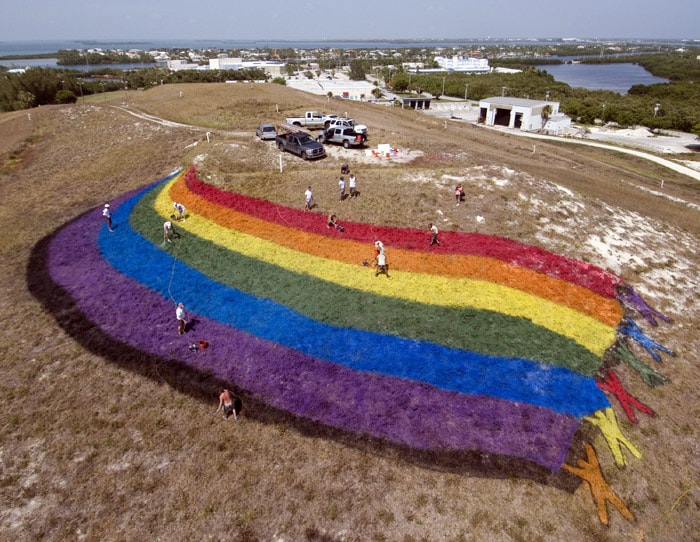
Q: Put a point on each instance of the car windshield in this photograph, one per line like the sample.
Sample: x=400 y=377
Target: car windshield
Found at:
x=305 y=139
x=268 y=128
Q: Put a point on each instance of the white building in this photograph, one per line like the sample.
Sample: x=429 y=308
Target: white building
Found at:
x=462 y=64
x=522 y=114
x=271 y=68
x=179 y=65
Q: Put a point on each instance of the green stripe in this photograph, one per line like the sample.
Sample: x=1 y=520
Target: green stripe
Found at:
x=486 y=332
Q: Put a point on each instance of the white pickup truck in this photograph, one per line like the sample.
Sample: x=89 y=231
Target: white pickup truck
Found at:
x=346 y=122
x=312 y=119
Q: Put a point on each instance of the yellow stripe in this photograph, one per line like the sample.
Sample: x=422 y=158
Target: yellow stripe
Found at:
x=421 y=288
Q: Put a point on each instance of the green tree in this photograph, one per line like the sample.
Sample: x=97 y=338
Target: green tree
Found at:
x=399 y=83
x=66 y=97
x=357 y=70
x=546 y=113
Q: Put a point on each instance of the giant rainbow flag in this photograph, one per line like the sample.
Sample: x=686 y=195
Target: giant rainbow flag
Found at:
x=479 y=344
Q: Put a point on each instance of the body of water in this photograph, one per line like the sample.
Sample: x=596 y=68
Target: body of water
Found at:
x=53 y=63
x=37 y=47
x=616 y=77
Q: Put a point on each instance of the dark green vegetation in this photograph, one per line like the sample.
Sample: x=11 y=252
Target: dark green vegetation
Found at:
x=670 y=106
x=74 y=57
x=45 y=86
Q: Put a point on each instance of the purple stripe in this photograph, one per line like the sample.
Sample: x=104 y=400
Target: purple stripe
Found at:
x=400 y=411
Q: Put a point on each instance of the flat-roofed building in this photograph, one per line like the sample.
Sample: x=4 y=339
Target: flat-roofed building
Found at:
x=522 y=114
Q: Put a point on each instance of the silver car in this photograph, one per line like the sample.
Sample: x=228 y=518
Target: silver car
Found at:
x=266 y=131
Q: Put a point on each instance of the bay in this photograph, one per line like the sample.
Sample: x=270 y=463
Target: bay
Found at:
x=615 y=77
x=53 y=63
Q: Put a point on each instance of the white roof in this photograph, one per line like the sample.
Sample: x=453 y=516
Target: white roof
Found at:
x=520 y=102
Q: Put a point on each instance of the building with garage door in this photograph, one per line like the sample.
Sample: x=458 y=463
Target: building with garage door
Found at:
x=522 y=114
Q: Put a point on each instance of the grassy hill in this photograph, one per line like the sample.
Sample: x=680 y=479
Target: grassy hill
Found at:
x=100 y=443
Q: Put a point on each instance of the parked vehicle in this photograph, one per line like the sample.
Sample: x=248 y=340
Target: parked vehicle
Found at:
x=266 y=131
x=343 y=135
x=299 y=141
x=311 y=119
x=348 y=123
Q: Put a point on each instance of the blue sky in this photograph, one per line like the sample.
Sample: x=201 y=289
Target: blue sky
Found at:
x=354 y=19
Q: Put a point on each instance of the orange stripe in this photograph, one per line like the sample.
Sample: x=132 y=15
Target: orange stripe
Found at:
x=606 y=310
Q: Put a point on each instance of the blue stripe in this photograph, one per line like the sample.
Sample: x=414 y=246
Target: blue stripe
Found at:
x=514 y=379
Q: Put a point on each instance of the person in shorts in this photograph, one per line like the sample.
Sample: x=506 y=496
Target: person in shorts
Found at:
x=180 y=210
x=341 y=186
x=107 y=214
x=181 y=316
x=227 y=404
x=382 y=266
x=433 y=229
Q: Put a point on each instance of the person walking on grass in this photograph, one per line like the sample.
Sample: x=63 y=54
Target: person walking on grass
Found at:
x=434 y=235
x=181 y=316
x=107 y=214
x=341 y=185
x=227 y=404
x=353 y=185
x=382 y=266
x=309 y=199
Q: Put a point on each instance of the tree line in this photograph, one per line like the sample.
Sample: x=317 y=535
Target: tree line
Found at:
x=672 y=106
x=45 y=86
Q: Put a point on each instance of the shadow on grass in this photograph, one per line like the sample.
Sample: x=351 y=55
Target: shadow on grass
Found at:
x=203 y=386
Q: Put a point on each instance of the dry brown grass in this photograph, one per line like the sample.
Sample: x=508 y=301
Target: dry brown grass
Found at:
x=95 y=448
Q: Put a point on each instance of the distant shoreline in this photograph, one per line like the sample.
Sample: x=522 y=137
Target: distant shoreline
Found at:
x=11 y=50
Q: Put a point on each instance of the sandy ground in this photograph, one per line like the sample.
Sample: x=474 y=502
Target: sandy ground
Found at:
x=641 y=138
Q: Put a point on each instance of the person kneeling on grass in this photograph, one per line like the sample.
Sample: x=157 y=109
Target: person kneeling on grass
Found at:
x=180 y=210
x=333 y=222
x=169 y=232
x=227 y=404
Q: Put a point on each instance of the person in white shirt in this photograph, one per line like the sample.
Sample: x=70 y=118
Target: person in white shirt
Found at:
x=353 y=185
x=309 y=199
x=167 y=231
x=180 y=208
x=434 y=237
x=181 y=316
x=341 y=185
x=107 y=214
x=382 y=266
